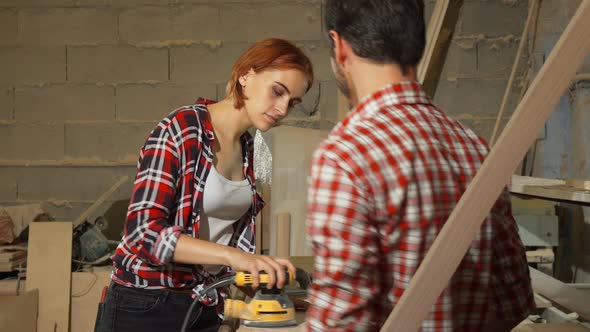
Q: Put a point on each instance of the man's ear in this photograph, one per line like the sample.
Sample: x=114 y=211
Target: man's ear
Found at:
x=341 y=48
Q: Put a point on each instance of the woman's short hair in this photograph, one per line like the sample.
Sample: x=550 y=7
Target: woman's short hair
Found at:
x=272 y=53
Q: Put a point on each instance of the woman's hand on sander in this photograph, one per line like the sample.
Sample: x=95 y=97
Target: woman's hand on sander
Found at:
x=273 y=266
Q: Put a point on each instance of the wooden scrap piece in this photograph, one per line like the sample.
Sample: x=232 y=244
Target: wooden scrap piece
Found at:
x=566 y=296
x=49 y=263
x=19 y=312
x=438 y=37
x=100 y=201
x=283 y=234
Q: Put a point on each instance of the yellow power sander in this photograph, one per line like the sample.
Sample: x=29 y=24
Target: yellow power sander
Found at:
x=270 y=307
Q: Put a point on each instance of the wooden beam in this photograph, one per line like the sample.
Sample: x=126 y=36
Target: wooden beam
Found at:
x=99 y=201
x=266 y=213
x=438 y=38
x=466 y=219
x=283 y=235
x=49 y=266
x=532 y=16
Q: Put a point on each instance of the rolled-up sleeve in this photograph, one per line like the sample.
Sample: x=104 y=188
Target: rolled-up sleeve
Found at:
x=149 y=232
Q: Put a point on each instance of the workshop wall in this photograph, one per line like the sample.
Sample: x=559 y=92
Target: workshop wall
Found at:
x=82 y=82
x=562 y=147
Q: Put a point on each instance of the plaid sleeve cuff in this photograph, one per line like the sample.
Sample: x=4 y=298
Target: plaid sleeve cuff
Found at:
x=166 y=245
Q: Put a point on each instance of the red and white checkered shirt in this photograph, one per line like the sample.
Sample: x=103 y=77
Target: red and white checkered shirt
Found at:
x=172 y=170
x=381 y=187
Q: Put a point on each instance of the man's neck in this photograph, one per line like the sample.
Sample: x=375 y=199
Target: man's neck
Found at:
x=369 y=77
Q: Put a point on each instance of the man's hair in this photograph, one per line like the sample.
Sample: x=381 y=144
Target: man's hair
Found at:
x=383 y=31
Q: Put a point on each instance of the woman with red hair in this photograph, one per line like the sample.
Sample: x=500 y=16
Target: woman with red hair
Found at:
x=191 y=216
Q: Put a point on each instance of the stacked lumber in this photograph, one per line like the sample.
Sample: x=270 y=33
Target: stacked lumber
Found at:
x=12 y=257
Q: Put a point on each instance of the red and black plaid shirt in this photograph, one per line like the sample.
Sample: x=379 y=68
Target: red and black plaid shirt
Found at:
x=172 y=169
x=381 y=187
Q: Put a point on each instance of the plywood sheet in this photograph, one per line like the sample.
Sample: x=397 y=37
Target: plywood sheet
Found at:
x=292 y=150
x=19 y=312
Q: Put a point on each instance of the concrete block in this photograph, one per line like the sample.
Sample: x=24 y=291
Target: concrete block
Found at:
x=111 y=141
x=155 y=101
x=483 y=127
x=9 y=188
x=493 y=18
x=202 y=63
x=32 y=64
x=496 y=57
x=585 y=67
x=319 y=54
x=329 y=101
x=69 y=102
x=169 y=25
x=243 y=22
x=67 y=26
x=6 y=103
x=64 y=209
x=32 y=141
x=57 y=185
x=120 y=63
x=8 y=27
x=461 y=59
x=36 y=3
x=474 y=98
x=312 y=2
x=221 y=87
x=310 y=104
x=123 y=4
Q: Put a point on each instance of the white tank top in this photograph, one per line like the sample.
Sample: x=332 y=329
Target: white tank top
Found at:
x=224 y=202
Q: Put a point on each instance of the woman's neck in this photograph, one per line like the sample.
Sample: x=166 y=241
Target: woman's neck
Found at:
x=229 y=123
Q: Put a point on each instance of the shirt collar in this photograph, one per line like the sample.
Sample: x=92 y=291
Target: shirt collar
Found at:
x=405 y=92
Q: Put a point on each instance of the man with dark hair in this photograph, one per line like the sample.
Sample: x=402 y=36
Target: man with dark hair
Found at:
x=385 y=181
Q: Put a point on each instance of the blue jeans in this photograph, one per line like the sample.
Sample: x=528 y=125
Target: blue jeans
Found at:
x=151 y=310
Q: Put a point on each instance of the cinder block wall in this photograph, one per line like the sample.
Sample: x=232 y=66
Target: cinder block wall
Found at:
x=82 y=82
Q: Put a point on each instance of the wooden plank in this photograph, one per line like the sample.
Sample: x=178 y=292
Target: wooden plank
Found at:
x=49 y=264
x=562 y=294
x=533 y=13
x=266 y=213
x=283 y=234
x=560 y=327
x=465 y=220
x=258 y=239
x=304 y=262
x=100 y=201
x=541 y=302
x=9 y=256
x=577 y=183
x=19 y=312
x=557 y=192
x=438 y=38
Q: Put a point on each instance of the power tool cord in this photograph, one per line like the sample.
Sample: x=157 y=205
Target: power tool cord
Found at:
x=200 y=294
